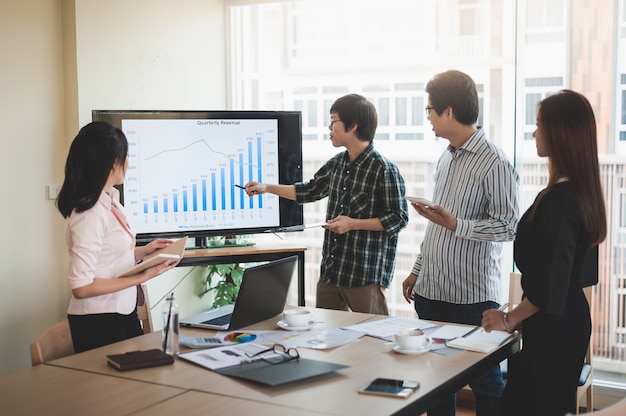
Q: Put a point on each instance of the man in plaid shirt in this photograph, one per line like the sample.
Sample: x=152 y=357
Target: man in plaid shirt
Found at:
x=366 y=211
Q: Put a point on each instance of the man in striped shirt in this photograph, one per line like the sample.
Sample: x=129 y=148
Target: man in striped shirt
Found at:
x=456 y=275
x=366 y=211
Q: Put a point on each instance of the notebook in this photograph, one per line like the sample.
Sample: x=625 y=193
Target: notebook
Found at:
x=262 y=295
x=479 y=340
x=174 y=251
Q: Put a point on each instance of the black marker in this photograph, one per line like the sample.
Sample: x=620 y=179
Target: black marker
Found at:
x=240 y=187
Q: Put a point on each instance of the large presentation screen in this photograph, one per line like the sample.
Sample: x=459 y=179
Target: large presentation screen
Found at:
x=186 y=169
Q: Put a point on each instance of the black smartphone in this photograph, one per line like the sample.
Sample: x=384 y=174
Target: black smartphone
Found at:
x=391 y=387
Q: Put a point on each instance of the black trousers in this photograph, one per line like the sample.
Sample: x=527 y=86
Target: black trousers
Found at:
x=96 y=330
x=543 y=376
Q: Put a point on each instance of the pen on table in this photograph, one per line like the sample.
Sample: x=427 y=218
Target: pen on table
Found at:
x=501 y=309
x=472 y=331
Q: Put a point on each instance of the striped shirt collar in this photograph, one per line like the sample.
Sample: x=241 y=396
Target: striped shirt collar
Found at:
x=471 y=144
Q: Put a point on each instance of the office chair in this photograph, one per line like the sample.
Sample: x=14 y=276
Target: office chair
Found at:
x=143 y=311
x=55 y=342
x=585 y=381
x=616 y=409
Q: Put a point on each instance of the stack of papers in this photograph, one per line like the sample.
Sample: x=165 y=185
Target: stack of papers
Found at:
x=385 y=328
x=234 y=354
x=316 y=338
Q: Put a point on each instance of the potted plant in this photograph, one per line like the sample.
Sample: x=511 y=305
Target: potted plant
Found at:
x=224 y=281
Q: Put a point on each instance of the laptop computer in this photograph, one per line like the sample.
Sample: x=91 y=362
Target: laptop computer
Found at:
x=262 y=295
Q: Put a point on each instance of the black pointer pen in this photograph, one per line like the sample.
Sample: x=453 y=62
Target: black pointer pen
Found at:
x=242 y=187
x=501 y=309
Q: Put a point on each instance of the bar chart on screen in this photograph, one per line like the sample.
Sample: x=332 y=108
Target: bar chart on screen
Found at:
x=190 y=172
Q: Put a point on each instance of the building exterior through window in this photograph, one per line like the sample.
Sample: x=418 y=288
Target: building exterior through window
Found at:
x=304 y=54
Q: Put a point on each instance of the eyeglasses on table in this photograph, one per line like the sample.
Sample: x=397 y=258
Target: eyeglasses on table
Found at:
x=284 y=354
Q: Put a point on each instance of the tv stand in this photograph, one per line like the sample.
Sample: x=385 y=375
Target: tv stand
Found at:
x=228 y=241
x=246 y=254
x=200 y=242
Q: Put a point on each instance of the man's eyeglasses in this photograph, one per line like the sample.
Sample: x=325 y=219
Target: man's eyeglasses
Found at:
x=333 y=122
x=428 y=110
x=284 y=354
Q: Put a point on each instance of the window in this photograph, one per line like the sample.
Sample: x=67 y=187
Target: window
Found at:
x=308 y=54
x=622 y=133
x=545 y=14
x=536 y=89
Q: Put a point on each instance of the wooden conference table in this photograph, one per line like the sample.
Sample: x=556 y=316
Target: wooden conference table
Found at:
x=170 y=389
x=50 y=390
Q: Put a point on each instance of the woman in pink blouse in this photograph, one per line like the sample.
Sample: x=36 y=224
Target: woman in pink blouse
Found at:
x=101 y=241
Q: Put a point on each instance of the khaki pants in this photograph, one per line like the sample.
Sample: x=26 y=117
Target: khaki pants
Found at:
x=366 y=299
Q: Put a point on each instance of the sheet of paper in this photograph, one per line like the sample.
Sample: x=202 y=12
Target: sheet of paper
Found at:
x=227 y=356
x=316 y=338
x=443 y=350
x=385 y=328
x=324 y=338
x=450 y=331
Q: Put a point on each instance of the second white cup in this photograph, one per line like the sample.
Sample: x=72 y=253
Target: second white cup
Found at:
x=410 y=339
x=297 y=317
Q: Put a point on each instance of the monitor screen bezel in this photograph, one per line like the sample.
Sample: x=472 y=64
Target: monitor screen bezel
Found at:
x=290 y=163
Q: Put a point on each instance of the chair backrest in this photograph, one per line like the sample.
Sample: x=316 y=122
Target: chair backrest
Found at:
x=55 y=342
x=143 y=312
x=585 y=383
x=515 y=297
x=616 y=409
x=515 y=290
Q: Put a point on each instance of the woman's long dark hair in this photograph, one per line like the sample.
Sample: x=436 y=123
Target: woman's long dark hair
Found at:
x=96 y=149
x=569 y=130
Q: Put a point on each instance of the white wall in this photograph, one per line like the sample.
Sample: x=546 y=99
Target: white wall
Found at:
x=33 y=290
x=59 y=59
x=150 y=54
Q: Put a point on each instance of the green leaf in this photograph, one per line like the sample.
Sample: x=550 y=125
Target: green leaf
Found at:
x=224 y=281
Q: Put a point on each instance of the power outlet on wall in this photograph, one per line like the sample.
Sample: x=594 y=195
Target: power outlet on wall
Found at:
x=53 y=191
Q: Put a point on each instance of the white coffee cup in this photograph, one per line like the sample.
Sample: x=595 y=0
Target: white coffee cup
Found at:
x=411 y=339
x=297 y=317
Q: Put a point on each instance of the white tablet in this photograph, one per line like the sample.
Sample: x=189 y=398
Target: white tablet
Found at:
x=423 y=201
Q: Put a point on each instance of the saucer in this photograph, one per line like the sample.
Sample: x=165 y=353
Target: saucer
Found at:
x=425 y=348
x=285 y=325
x=411 y=352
